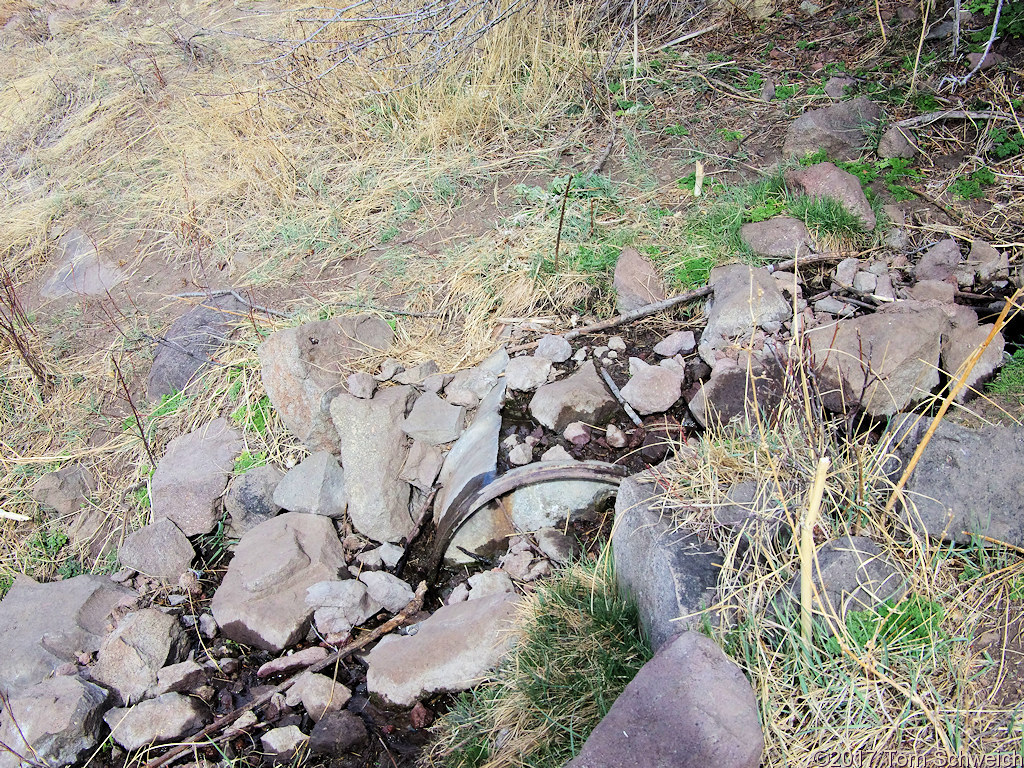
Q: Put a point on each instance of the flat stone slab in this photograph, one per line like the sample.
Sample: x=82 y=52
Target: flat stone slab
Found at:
x=636 y=281
x=159 y=550
x=433 y=421
x=579 y=397
x=166 y=718
x=81 y=271
x=779 y=238
x=316 y=486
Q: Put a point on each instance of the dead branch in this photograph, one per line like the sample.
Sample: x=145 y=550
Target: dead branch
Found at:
x=616 y=392
x=952 y=114
x=220 y=723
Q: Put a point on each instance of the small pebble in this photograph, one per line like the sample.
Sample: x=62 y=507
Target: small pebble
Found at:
x=614 y=436
x=617 y=344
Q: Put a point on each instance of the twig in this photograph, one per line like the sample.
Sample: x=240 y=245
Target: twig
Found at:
x=15 y=325
x=389 y=626
x=962 y=81
x=135 y=411
x=618 y=395
x=603 y=159
x=952 y=114
x=688 y=36
x=561 y=219
x=236 y=294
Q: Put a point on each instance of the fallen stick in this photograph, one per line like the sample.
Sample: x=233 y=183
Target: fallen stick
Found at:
x=389 y=626
x=952 y=114
x=616 y=392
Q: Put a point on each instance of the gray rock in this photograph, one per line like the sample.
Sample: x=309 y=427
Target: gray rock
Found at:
x=433 y=421
x=986 y=264
x=436 y=383
x=302 y=367
x=293 y=662
x=637 y=282
x=159 y=550
x=733 y=390
x=939 y=262
x=744 y=299
x=852 y=574
x=558 y=547
x=170 y=717
x=841 y=130
x=318 y=694
x=678 y=343
x=316 y=486
x=883 y=289
x=417 y=374
x=825 y=180
x=896 y=142
x=835 y=87
x=390 y=591
x=558 y=453
x=580 y=397
x=967 y=482
x=688 y=707
x=131 y=656
x=577 y=433
x=932 y=291
x=525 y=374
x=846 y=271
x=753 y=510
x=981 y=62
x=45 y=625
x=960 y=344
x=487 y=583
x=667 y=571
x=81 y=271
x=388 y=370
x=614 y=436
x=899 y=348
x=652 y=389
x=779 y=238
x=188 y=347
x=341 y=605
x=450 y=651
x=468 y=387
x=422 y=465
x=337 y=733
x=55 y=722
x=361 y=385
x=192 y=475
x=180 y=678
x=865 y=282
x=520 y=454
x=553 y=348
x=374 y=450
x=545 y=505
x=281 y=744
x=261 y=600
x=250 y=498
x=64 y=490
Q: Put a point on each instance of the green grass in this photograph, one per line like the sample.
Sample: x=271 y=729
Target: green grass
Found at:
x=909 y=627
x=828 y=218
x=1010 y=380
x=579 y=648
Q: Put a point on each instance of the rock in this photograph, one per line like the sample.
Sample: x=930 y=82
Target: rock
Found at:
x=192 y=475
x=525 y=374
x=545 y=505
x=846 y=271
x=293 y=662
x=318 y=694
x=303 y=366
x=341 y=605
x=900 y=349
x=44 y=625
x=865 y=282
x=744 y=299
x=487 y=583
x=55 y=722
x=614 y=436
x=281 y=744
x=361 y=385
x=558 y=547
x=374 y=450
x=960 y=344
x=81 y=271
x=835 y=87
x=159 y=550
x=520 y=454
x=261 y=600
x=779 y=238
x=983 y=266
x=688 y=707
x=617 y=344
x=417 y=374
x=180 y=678
x=636 y=282
x=433 y=421
x=468 y=387
x=337 y=733
x=388 y=370
x=883 y=289
x=678 y=343
x=852 y=574
x=967 y=481
x=190 y=344
x=666 y=570
x=932 y=291
x=422 y=465
x=826 y=180
x=450 y=651
x=553 y=348
x=841 y=130
x=579 y=397
x=130 y=656
x=250 y=498
x=64 y=490
x=577 y=433
x=208 y=626
x=652 y=389
x=523 y=566
x=976 y=61
x=733 y=390
x=390 y=591
x=556 y=453
x=170 y=717
x=939 y=262
x=316 y=486
x=896 y=142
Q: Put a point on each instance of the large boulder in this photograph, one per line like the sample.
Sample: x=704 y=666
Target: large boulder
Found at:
x=744 y=299
x=450 y=651
x=45 y=625
x=667 y=571
x=192 y=475
x=579 y=397
x=55 y=722
x=131 y=656
x=189 y=345
x=841 y=130
x=302 y=367
x=261 y=600
x=689 y=706
x=374 y=449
